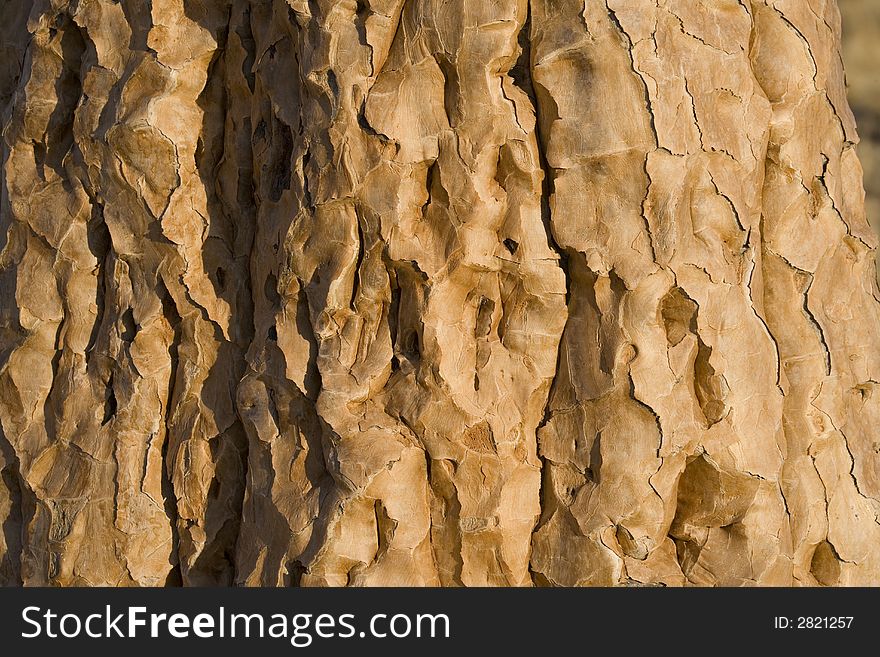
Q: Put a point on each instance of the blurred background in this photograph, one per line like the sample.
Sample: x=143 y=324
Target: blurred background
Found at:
x=861 y=59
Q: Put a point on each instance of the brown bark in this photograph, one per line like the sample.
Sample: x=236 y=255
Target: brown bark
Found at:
x=417 y=292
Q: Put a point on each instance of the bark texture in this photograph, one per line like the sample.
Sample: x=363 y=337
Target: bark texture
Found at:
x=860 y=22
x=434 y=292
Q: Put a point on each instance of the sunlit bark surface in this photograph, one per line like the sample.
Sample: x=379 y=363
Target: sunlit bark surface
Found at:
x=434 y=292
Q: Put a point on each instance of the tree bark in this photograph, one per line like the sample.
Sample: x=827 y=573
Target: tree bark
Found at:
x=427 y=292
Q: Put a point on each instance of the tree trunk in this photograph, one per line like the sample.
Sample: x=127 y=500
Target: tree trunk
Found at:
x=428 y=292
